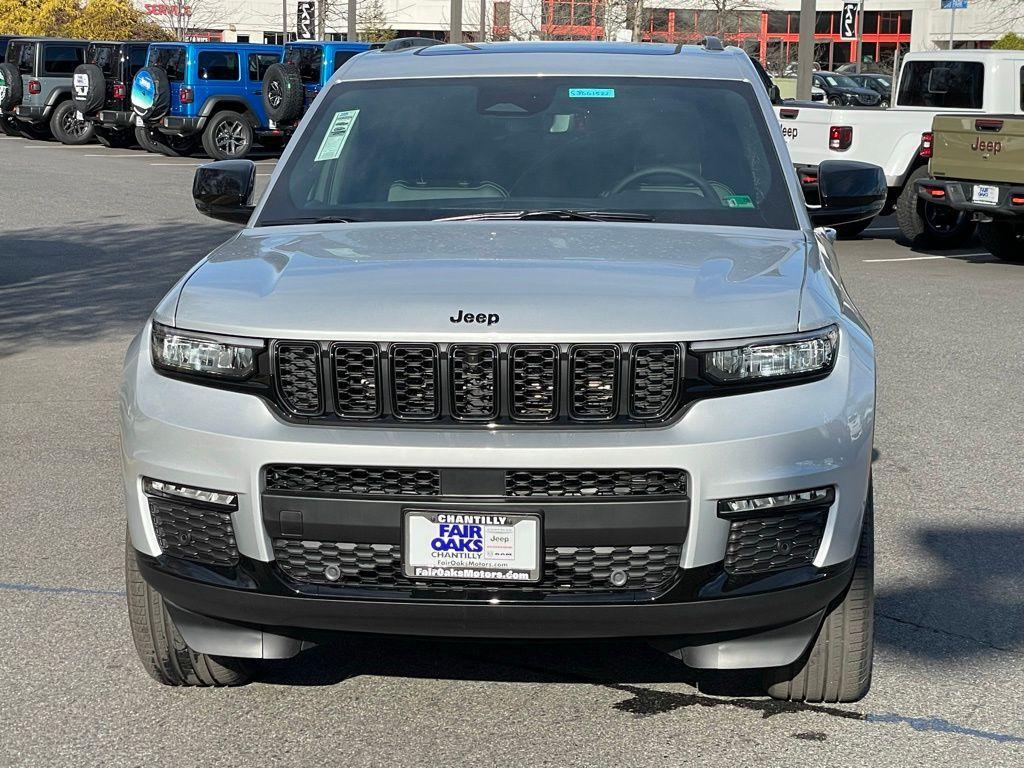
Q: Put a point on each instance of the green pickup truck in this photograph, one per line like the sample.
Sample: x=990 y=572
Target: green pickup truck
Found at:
x=977 y=165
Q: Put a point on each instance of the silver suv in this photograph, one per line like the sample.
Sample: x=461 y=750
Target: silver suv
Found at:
x=522 y=341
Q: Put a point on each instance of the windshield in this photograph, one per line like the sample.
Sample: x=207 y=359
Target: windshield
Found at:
x=840 y=81
x=674 y=150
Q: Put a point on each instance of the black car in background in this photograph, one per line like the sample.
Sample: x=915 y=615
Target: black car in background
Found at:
x=880 y=84
x=843 y=91
x=7 y=125
x=103 y=87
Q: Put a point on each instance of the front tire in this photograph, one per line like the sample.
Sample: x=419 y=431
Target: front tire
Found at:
x=67 y=128
x=1003 y=239
x=160 y=647
x=228 y=136
x=838 y=665
x=924 y=224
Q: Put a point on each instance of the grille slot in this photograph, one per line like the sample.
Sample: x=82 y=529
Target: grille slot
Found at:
x=321 y=480
x=297 y=366
x=592 y=373
x=534 y=382
x=596 y=482
x=764 y=544
x=655 y=378
x=414 y=381
x=474 y=373
x=566 y=569
x=356 y=372
x=193 y=533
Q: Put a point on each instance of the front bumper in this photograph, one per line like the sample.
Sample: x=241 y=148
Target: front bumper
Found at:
x=816 y=434
x=959 y=196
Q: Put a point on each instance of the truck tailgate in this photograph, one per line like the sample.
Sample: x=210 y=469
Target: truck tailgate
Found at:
x=989 y=148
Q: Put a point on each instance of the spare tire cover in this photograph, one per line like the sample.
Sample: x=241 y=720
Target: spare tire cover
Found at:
x=10 y=87
x=89 y=88
x=151 y=93
x=283 y=94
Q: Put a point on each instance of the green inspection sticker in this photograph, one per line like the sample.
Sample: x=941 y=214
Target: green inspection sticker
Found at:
x=591 y=93
x=739 y=201
x=337 y=134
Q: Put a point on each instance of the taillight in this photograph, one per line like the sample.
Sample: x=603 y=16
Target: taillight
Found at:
x=927 y=145
x=840 y=137
x=1017 y=199
x=992 y=126
x=185 y=95
x=34 y=86
x=936 y=192
x=119 y=91
x=807 y=178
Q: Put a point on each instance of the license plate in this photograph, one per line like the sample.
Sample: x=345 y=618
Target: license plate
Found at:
x=472 y=546
x=985 y=194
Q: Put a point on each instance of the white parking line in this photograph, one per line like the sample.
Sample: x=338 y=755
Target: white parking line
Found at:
x=142 y=155
x=906 y=258
x=178 y=165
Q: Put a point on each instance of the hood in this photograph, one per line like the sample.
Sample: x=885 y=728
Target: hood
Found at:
x=569 y=281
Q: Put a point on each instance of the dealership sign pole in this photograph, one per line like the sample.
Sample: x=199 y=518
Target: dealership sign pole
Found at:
x=805 y=50
x=849 y=28
x=953 y=6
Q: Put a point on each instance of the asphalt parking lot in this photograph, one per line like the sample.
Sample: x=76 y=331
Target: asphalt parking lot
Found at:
x=91 y=238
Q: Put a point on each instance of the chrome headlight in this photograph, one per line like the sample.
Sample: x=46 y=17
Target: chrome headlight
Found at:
x=221 y=357
x=755 y=360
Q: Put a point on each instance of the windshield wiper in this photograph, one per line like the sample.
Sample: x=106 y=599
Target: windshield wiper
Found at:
x=554 y=214
x=308 y=220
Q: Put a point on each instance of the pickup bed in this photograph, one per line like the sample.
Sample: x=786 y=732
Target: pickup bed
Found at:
x=898 y=140
x=977 y=168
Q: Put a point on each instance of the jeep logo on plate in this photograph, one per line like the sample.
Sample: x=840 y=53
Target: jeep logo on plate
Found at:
x=465 y=316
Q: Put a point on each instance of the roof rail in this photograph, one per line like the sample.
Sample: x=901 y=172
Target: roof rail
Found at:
x=401 y=43
x=712 y=43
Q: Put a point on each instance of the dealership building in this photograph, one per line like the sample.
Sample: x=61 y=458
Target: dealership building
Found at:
x=768 y=31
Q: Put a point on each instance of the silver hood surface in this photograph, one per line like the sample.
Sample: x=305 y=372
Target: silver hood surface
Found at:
x=567 y=281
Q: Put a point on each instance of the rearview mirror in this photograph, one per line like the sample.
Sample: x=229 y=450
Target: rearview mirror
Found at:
x=849 y=191
x=223 y=190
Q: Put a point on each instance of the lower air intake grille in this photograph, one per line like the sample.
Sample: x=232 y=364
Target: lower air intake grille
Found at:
x=764 y=544
x=194 y=533
x=566 y=569
x=314 y=479
x=595 y=482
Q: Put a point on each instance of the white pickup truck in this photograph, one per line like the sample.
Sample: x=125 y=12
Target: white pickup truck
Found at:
x=899 y=139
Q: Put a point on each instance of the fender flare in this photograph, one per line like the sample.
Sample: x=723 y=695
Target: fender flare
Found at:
x=237 y=103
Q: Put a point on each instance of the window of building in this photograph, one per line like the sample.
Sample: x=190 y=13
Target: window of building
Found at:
x=62 y=59
x=242 y=39
x=218 y=65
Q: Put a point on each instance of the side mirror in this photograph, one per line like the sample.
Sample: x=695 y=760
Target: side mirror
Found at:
x=223 y=190
x=849 y=191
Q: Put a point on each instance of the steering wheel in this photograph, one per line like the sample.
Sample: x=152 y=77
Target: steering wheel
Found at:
x=706 y=189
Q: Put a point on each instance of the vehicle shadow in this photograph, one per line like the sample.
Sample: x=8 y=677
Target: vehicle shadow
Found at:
x=971 y=607
x=91 y=279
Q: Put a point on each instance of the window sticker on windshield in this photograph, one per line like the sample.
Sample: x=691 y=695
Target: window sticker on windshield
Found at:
x=336 y=136
x=739 y=201
x=591 y=93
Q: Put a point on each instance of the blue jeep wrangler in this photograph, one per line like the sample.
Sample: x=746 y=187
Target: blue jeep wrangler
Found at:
x=290 y=87
x=208 y=91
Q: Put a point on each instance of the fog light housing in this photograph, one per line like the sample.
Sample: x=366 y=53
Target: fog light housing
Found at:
x=776 y=503
x=167 y=490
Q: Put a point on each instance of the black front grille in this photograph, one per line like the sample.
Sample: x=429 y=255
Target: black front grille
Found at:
x=764 y=544
x=297 y=366
x=534 y=382
x=593 y=382
x=595 y=482
x=493 y=384
x=474 y=376
x=566 y=569
x=415 y=381
x=193 y=533
x=356 y=370
x=322 y=480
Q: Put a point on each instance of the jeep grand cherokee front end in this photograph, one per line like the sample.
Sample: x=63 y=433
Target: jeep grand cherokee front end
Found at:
x=501 y=355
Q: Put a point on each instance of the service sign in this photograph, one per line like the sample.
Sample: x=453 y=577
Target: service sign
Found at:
x=472 y=546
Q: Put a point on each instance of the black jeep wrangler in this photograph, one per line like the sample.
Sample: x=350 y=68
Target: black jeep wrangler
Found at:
x=7 y=124
x=35 y=88
x=102 y=89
